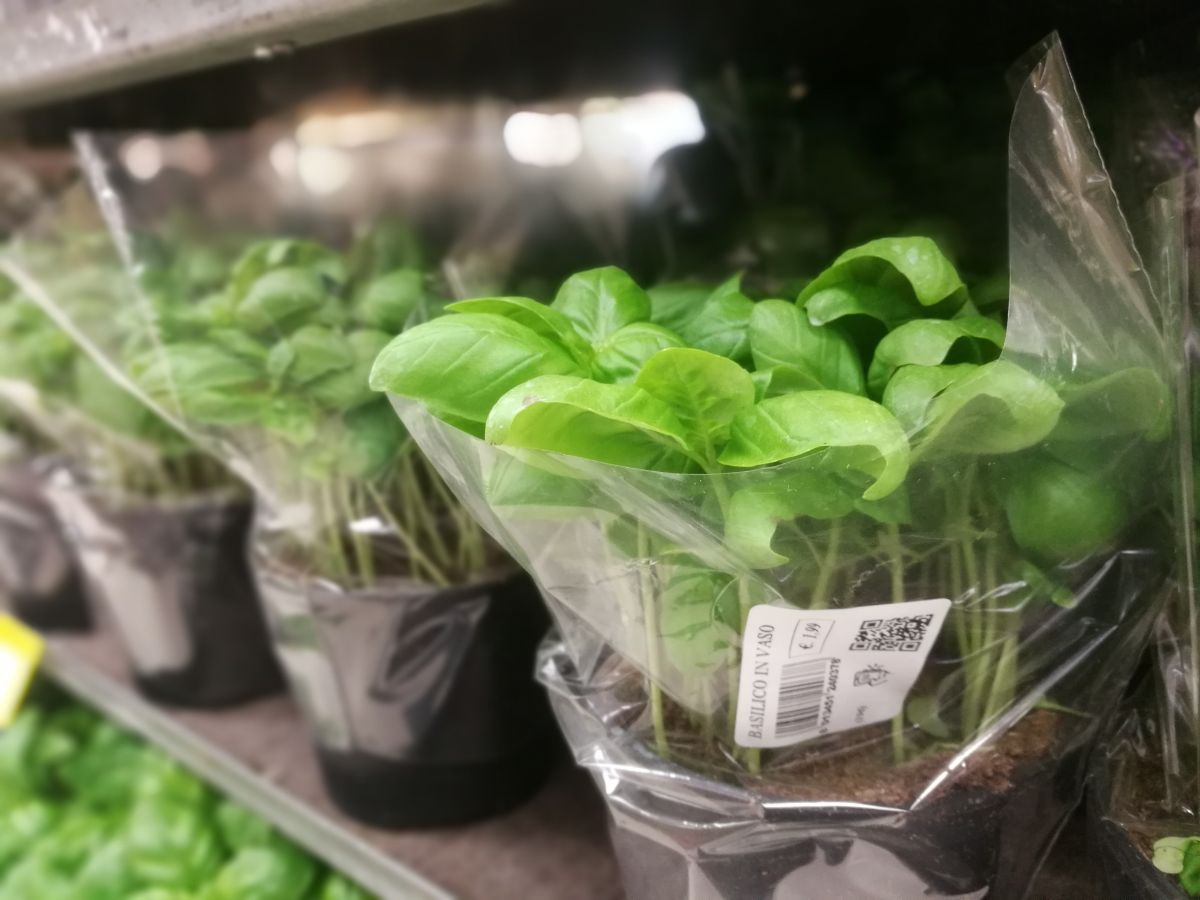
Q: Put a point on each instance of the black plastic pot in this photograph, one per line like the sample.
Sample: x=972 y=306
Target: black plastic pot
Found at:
x=37 y=573
x=679 y=834
x=422 y=702
x=174 y=580
x=1128 y=874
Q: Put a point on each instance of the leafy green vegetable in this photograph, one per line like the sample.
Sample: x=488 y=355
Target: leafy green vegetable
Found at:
x=600 y=302
x=860 y=434
x=755 y=468
x=1060 y=513
x=782 y=340
x=619 y=424
x=932 y=342
x=464 y=364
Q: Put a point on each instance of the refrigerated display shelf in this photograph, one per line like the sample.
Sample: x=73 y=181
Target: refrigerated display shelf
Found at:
x=55 y=49
x=554 y=847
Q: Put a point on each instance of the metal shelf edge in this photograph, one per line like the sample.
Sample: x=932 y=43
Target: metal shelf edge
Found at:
x=372 y=869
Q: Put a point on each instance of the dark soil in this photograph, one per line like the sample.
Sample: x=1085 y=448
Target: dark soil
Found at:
x=866 y=773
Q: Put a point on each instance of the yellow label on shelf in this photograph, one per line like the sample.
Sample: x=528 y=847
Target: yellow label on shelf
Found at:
x=21 y=651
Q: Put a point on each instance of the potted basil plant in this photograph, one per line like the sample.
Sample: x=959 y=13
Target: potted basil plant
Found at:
x=845 y=580
x=157 y=528
x=38 y=578
x=407 y=636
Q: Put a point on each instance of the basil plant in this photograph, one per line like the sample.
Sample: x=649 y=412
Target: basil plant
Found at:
x=60 y=401
x=663 y=461
x=268 y=368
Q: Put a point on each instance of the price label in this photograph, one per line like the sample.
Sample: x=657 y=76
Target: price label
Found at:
x=21 y=652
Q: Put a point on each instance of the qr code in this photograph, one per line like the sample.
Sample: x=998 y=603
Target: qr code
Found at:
x=903 y=633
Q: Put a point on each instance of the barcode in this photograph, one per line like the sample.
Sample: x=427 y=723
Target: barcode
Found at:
x=801 y=688
x=903 y=633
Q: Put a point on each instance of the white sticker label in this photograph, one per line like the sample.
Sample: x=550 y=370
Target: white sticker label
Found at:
x=808 y=673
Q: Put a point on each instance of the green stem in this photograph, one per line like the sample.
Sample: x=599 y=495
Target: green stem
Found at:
x=335 y=552
x=895 y=554
x=419 y=560
x=827 y=567
x=650 y=623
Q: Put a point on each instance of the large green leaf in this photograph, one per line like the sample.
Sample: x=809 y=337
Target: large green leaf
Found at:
x=612 y=423
x=621 y=356
x=705 y=391
x=600 y=301
x=548 y=322
x=309 y=353
x=178 y=369
x=269 y=255
x=782 y=336
x=890 y=279
x=910 y=391
x=389 y=302
x=755 y=513
x=721 y=325
x=1128 y=401
x=279 y=298
x=997 y=408
x=528 y=491
x=698 y=619
x=462 y=364
x=932 y=342
x=348 y=388
x=673 y=303
x=860 y=434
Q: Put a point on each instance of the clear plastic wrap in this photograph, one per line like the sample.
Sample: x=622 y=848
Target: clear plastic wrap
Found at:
x=653 y=578
x=406 y=636
x=1145 y=785
x=171 y=576
x=38 y=579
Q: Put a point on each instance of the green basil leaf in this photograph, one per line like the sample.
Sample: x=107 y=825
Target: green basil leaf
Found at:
x=673 y=304
x=890 y=279
x=698 y=619
x=861 y=435
x=349 y=388
x=266 y=256
x=782 y=336
x=910 y=391
x=721 y=325
x=755 y=513
x=279 y=298
x=705 y=391
x=239 y=343
x=997 y=408
x=370 y=441
x=1128 y=401
x=600 y=301
x=527 y=491
x=1059 y=513
x=538 y=317
x=178 y=369
x=621 y=356
x=779 y=380
x=619 y=424
x=462 y=364
x=932 y=342
x=389 y=301
x=309 y=353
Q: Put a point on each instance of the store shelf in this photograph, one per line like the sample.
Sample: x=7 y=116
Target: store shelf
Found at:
x=54 y=49
x=553 y=848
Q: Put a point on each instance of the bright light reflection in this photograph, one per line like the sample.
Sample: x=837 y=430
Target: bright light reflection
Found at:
x=324 y=170
x=543 y=139
x=353 y=129
x=143 y=157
